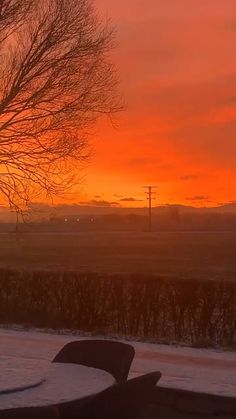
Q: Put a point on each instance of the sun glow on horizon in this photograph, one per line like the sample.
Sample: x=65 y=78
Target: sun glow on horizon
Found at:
x=177 y=72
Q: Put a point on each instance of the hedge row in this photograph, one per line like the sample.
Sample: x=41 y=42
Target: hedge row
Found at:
x=196 y=312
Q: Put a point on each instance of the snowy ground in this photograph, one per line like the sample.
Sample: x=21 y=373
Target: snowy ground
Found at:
x=202 y=370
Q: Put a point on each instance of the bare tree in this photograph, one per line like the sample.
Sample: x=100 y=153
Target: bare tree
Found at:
x=12 y=13
x=55 y=81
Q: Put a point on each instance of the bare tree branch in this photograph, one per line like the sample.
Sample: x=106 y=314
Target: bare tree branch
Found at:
x=55 y=82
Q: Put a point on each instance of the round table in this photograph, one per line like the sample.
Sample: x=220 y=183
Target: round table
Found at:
x=19 y=374
x=49 y=383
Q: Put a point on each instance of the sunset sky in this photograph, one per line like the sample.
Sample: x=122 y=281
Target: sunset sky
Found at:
x=176 y=61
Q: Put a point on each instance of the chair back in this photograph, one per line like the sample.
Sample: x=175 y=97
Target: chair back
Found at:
x=113 y=357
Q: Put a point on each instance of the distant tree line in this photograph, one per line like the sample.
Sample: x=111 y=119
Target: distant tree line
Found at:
x=195 y=312
x=164 y=221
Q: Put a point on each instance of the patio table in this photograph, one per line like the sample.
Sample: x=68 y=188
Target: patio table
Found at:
x=33 y=382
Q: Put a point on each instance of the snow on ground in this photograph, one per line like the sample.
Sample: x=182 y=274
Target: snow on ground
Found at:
x=201 y=370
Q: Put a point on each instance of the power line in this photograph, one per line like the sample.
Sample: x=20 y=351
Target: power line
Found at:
x=150 y=194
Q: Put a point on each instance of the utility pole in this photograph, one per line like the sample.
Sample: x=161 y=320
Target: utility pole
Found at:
x=150 y=193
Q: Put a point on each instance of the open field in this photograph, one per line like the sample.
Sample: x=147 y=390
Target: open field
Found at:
x=187 y=254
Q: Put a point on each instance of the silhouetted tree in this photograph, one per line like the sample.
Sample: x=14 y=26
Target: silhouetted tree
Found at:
x=55 y=81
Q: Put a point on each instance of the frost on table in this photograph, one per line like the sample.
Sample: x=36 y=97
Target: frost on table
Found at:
x=19 y=374
x=63 y=383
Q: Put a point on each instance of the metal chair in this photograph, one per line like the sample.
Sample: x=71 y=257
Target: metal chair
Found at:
x=126 y=400
x=110 y=356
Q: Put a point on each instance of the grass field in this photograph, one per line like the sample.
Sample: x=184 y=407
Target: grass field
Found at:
x=187 y=254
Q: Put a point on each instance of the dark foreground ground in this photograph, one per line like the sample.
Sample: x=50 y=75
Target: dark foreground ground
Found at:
x=187 y=254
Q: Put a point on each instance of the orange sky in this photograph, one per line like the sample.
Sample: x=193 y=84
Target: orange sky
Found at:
x=177 y=64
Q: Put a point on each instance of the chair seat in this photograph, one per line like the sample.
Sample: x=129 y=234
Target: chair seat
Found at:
x=30 y=413
x=122 y=401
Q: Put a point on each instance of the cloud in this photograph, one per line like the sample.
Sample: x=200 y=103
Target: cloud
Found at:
x=229 y=100
x=71 y=208
x=198 y=198
x=181 y=97
x=99 y=203
x=130 y=199
x=188 y=177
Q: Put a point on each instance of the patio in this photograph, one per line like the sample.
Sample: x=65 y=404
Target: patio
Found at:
x=194 y=381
